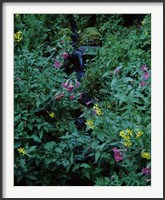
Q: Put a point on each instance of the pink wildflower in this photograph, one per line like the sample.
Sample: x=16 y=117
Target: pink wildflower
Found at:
x=65 y=85
x=146 y=75
x=57 y=64
x=117 y=154
x=77 y=83
x=143 y=83
x=146 y=170
x=70 y=88
x=80 y=96
x=115 y=149
x=71 y=97
x=144 y=68
x=59 y=97
x=65 y=55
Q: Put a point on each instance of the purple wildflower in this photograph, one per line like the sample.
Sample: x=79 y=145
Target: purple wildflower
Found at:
x=117 y=154
x=71 y=97
x=77 y=83
x=146 y=75
x=144 y=68
x=57 y=64
x=70 y=88
x=65 y=55
x=65 y=85
x=146 y=170
x=143 y=83
x=59 y=97
x=115 y=149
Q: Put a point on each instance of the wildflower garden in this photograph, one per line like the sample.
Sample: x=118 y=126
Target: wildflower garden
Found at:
x=82 y=100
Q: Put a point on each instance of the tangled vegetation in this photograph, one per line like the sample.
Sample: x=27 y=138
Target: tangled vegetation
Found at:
x=93 y=131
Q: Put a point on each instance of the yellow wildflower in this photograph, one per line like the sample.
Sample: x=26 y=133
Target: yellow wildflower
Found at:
x=127 y=143
x=126 y=137
x=139 y=134
x=21 y=151
x=52 y=115
x=90 y=123
x=122 y=133
x=129 y=132
x=146 y=155
x=97 y=109
x=18 y=36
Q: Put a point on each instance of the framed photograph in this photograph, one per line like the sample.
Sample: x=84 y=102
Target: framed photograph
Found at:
x=82 y=99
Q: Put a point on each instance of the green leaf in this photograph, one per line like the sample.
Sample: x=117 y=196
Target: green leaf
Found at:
x=84 y=165
x=30 y=149
x=58 y=150
x=71 y=157
x=106 y=74
x=23 y=164
x=97 y=155
x=35 y=138
x=41 y=134
x=38 y=103
x=87 y=175
x=30 y=126
x=49 y=145
x=76 y=166
x=17 y=144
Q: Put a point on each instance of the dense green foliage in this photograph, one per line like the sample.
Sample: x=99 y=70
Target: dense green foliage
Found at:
x=113 y=146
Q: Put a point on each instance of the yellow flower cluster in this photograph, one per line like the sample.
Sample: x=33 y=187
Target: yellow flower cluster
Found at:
x=139 y=134
x=146 y=155
x=90 y=123
x=21 y=151
x=126 y=135
x=52 y=115
x=18 y=36
x=97 y=109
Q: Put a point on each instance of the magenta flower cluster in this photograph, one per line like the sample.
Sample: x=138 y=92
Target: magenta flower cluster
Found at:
x=57 y=63
x=146 y=75
x=69 y=85
x=117 y=154
x=146 y=171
